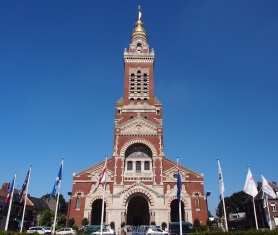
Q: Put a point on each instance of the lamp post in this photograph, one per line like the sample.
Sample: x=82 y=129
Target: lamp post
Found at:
x=69 y=204
x=207 y=195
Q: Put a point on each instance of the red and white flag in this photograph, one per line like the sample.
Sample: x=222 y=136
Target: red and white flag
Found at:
x=267 y=188
x=101 y=179
x=250 y=185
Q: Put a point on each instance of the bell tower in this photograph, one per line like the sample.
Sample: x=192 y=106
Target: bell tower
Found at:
x=138 y=115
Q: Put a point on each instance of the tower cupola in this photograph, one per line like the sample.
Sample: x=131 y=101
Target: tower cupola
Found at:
x=139 y=32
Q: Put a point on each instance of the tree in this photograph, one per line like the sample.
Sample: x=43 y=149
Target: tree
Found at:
x=112 y=225
x=71 y=222
x=63 y=205
x=122 y=224
x=62 y=210
x=46 y=218
x=233 y=204
x=85 y=222
x=163 y=225
x=196 y=223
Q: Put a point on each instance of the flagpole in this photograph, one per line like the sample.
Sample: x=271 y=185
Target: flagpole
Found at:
x=255 y=213
x=221 y=190
x=252 y=193
x=57 y=202
x=266 y=198
x=224 y=207
x=102 y=208
x=25 y=199
x=10 y=204
x=180 y=217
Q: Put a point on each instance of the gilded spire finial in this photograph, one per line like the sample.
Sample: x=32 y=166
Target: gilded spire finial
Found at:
x=139 y=29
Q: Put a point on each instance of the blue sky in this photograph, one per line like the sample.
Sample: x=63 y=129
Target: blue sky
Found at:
x=61 y=72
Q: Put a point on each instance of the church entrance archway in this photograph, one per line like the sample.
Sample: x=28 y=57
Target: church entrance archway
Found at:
x=138 y=211
x=96 y=212
x=175 y=211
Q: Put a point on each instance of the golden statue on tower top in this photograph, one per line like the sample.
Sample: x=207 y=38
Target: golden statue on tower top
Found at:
x=139 y=13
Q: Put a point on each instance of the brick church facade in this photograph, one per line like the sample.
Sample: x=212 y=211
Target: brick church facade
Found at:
x=141 y=183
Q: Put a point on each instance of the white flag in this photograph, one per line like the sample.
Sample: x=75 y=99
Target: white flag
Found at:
x=101 y=179
x=250 y=185
x=220 y=179
x=267 y=188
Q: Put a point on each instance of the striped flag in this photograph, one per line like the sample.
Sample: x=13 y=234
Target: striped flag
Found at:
x=24 y=186
x=9 y=195
x=101 y=178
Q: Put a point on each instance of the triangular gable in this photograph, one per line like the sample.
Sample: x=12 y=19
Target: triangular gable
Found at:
x=138 y=183
x=138 y=125
x=93 y=169
x=184 y=170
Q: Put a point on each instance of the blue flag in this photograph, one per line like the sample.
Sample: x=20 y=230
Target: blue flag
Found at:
x=179 y=184
x=57 y=181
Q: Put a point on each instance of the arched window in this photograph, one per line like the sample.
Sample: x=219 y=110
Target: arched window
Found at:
x=131 y=101
x=77 y=207
x=139 y=47
x=138 y=74
x=132 y=77
x=145 y=77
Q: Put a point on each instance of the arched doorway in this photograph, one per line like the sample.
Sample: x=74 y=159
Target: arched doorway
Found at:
x=175 y=211
x=138 y=211
x=96 y=212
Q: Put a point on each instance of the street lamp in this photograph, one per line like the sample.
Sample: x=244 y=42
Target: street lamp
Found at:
x=69 y=204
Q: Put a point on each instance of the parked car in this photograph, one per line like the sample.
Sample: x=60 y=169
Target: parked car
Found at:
x=142 y=230
x=89 y=229
x=47 y=230
x=37 y=229
x=105 y=231
x=174 y=228
x=156 y=231
x=63 y=231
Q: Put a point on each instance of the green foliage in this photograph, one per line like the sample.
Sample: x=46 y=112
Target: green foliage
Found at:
x=71 y=222
x=46 y=218
x=112 y=225
x=63 y=205
x=202 y=228
x=196 y=223
x=62 y=220
x=232 y=203
x=122 y=224
x=85 y=221
x=153 y=223
x=163 y=225
x=209 y=223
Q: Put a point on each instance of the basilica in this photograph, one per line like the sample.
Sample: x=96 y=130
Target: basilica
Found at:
x=141 y=182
